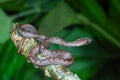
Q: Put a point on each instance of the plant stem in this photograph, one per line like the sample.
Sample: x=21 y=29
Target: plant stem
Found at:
x=100 y=30
x=22 y=14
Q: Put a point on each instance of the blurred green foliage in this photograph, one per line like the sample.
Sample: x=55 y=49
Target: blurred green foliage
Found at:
x=68 y=19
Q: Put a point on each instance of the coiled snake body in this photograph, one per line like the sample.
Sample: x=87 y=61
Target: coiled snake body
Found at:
x=49 y=57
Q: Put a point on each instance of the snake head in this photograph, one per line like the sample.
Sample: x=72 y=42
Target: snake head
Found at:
x=16 y=38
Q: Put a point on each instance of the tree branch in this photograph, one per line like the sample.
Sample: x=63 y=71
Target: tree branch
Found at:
x=56 y=72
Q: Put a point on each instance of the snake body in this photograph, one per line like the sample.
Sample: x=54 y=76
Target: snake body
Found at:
x=49 y=57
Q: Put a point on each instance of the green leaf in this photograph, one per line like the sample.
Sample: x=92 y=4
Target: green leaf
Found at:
x=60 y=17
x=114 y=13
x=86 y=68
x=98 y=15
x=10 y=69
x=13 y=5
x=93 y=8
x=116 y=4
x=5 y=24
x=2 y=1
x=10 y=61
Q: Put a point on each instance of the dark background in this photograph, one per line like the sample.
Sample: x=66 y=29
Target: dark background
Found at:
x=69 y=19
